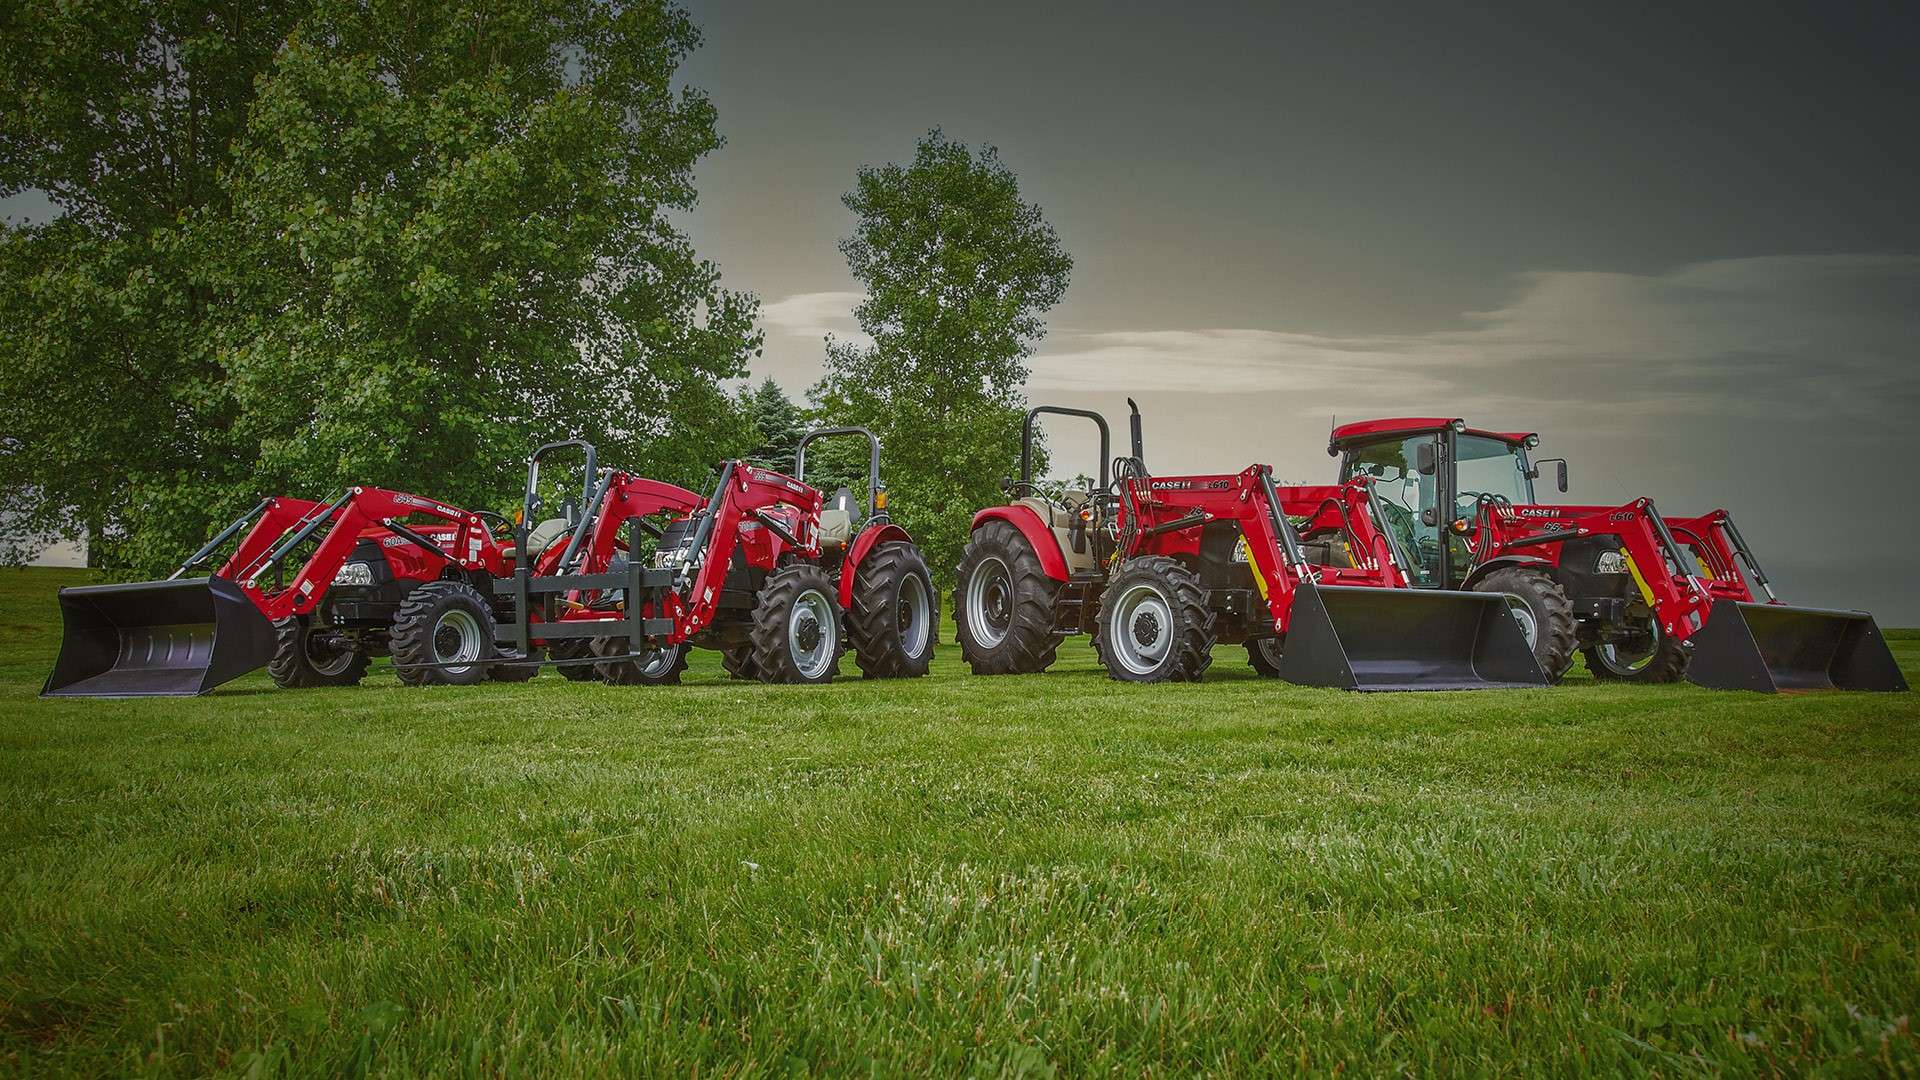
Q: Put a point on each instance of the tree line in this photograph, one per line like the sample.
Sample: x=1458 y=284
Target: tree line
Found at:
x=302 y=244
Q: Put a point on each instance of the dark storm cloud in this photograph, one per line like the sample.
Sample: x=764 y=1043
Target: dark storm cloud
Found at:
x=1680 y=242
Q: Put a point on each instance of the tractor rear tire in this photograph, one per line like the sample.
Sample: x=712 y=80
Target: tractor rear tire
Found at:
x=440 y=622
x=1264 y=655
x=894 y=613
x=662 y=668
x=1667 y=662
x=300 y=662
x=1544 y=612
x=738 y=661
x=1004 y=604
x=1154 y=623
x=797 y=632
x=573 y=649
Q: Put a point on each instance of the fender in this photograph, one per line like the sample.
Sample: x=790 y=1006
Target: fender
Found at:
x=1039 y=537
x=1488 y=567
x=870 y=537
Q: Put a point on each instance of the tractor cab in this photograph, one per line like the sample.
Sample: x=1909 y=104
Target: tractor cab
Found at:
x=1430 y=476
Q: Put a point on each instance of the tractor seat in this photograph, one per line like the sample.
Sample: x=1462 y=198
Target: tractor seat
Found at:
x=540 y=538
x=836 y=527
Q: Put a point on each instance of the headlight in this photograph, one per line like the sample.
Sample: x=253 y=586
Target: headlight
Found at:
x=354 y=573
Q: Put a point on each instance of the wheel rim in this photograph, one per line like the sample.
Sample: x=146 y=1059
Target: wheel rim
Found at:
x=324 y=658
x=1269 y=650
x=1142 y=629
x=990 y=602
x=813 y=638
x=1522 y=614
x=915 y=621
x=659 y=662
x=1630 y=661
x=456 y=640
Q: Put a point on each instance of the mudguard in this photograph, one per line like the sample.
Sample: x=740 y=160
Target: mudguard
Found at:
x=1040 y=538
x=870 y=537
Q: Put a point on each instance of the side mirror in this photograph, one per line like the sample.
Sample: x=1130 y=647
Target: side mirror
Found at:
x=1560 y=471
x=1006 y=485
x=1424 y=461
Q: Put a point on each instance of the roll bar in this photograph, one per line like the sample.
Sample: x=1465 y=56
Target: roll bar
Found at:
x=530 y=502
x=1026 y=440
x=873 y=460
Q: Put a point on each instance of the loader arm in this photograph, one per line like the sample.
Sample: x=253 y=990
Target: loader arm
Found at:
x=1666 y=571
x=745 y=497
x=339 y=525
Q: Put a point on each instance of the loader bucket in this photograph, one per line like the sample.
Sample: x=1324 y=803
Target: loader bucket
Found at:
x=1772 y=647
x=1360 y=638
x=157 y=639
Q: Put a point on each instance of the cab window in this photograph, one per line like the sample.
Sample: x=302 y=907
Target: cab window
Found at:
x=1406 y=495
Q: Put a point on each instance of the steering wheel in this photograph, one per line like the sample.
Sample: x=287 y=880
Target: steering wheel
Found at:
x=498 y=522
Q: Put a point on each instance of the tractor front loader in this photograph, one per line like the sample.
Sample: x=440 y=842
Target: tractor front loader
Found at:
x=1165 y=567
x=763 y=570
x=312 y=591
x=1644 y=597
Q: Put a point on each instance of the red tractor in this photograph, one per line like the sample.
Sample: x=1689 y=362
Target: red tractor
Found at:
x=1644 y=597
x=1158 y=569
x=765 y=570
x=315 y=590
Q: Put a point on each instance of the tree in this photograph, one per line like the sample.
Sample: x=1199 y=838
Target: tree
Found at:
x=958 y=271
x=777 y=425
x=424 y=238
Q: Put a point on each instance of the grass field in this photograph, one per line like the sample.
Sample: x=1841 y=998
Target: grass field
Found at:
x=954 y=875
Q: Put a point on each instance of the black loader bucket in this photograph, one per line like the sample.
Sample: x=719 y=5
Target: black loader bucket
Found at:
x=1359 y=638
x=157 y=639
x=1772 y=647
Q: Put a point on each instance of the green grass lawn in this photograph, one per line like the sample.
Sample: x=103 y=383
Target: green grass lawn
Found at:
x=956 y=874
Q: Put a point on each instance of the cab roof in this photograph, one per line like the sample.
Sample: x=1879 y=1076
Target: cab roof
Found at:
x=1366 y=430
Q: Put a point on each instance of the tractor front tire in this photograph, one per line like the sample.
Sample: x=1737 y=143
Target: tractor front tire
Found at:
x=443 y=622
x=797 y=636
x=573 y=649
x=662 y=667
x=894 y=613
x=738 y=661
x=516 y=672
x=1004 y=604
x=302 y=661
x=1154 y=623
x=1264 y=655
x=1544 y=612
x=1665 y=661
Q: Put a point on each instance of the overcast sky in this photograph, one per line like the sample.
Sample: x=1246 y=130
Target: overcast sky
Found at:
x=1681 y=245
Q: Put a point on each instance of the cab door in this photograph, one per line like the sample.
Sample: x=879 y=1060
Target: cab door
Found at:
x=1406 y=475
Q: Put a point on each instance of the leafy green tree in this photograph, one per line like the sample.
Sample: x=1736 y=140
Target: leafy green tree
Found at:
x=777 y=424
x=420 y=239
x=959 y=270
x=112 y=397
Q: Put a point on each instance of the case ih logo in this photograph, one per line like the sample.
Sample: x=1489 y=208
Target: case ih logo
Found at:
x=1539 y=512
x=1189 y=485
x=415 y=500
